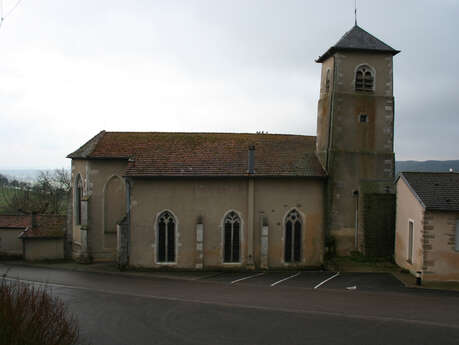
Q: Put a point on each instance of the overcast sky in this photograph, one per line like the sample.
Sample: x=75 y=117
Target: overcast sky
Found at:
x=69 y=69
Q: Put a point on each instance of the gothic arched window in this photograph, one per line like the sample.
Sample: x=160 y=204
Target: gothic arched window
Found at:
x=231 y=237
x=166 y=237
x=327 y=81
x=364 y=79
x=78 y=191
x=292 y=239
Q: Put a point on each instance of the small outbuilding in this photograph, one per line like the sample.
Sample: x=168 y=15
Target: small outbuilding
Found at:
x=11 y=226
x=427 y=224
x=44 y=238
x=32 y=236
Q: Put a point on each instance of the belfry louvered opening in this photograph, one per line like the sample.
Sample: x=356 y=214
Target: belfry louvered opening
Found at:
x=364 y=79
x=166 y=237
x=232 y=238
x=292 y=238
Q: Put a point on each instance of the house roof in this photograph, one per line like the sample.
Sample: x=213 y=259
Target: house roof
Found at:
x=205 y=154
x=435 y=191
x=46 y=226
x=14 y=222
x=357 y=39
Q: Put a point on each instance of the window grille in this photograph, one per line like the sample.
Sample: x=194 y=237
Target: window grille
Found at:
x=293 y=229
x=232 y=232
x=166 y=237
x=364 y=79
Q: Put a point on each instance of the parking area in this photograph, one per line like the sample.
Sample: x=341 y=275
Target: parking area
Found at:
x=319 y=280
x=310 y=280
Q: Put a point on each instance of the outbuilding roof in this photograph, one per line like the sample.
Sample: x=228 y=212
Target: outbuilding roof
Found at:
x=205 y=154
x=14 y=221
x=436 y=191
x=357 y=39
x=45 y=226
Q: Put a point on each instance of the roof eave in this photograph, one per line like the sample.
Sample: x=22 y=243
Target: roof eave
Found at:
x=330 y=52
x=230 y=176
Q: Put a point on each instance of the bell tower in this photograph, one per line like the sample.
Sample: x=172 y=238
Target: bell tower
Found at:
x=355 y=131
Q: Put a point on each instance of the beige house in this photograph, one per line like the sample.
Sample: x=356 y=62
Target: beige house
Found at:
x=33 y=237
x=237 y=200
x=427 y=230
x=43 y=239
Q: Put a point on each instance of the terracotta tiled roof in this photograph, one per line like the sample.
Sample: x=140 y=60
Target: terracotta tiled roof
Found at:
x=46 y=226
x=436 y=191
x=205 y=154
x=357 y=39
x=14 y=222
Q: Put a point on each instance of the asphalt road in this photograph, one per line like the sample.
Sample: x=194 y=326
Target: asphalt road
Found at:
x=223 y=309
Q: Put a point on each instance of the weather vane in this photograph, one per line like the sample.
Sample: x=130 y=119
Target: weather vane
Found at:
x=355 y=11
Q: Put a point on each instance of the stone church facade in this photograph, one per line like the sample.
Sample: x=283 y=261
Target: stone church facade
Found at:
x=227 y=200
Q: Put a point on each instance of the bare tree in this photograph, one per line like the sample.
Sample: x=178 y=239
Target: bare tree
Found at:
x=47 y=195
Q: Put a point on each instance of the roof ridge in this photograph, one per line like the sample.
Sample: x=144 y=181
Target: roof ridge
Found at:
x=194 y=133
x=430 y=172
x=366 y=32
x=358 y=39
x=86 y=149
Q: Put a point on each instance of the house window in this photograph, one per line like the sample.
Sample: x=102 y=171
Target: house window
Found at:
x=78 y=198
x=364 y=79
x=410 y=241
x=293 y=227
x=457 y=235
x=327 y=81
x=166 y=237
x=231 y=237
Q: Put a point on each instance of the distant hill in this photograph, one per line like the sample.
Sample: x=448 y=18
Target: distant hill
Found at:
x=430 y=166
x=24 y=175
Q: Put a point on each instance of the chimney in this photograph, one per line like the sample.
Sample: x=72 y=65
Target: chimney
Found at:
x=34 y=220
x=251 y=162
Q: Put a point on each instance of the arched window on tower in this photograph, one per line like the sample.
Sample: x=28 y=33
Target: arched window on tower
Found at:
x=78 y=190
x=231 y=237
x=292 y=239
x=327 y=81
x=166 y=237
x=364 y=79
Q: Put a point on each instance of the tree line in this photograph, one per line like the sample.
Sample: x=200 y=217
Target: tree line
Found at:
x=47 y=195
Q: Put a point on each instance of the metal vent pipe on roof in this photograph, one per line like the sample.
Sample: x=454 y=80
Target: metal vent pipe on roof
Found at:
x=251 y=162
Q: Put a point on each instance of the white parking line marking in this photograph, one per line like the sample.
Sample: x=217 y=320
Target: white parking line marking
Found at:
x=326 y=280
x=283 y=280
x=252 y=276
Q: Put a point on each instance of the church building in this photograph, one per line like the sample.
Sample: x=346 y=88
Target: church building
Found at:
x=249 y=201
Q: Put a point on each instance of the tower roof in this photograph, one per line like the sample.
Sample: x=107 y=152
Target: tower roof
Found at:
x=358 y=39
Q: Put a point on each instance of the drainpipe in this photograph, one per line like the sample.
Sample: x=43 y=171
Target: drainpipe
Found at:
x=250 y=205
x=355 y=193
x=128 y=215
